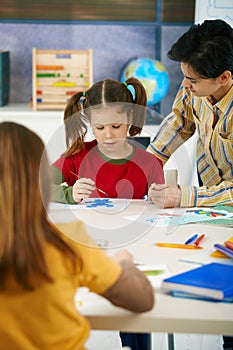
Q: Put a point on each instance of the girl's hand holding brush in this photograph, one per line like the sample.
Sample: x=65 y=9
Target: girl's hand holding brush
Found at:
x=82 y=189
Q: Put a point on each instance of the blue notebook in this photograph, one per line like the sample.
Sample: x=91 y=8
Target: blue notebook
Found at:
x=211 y=280
x=178 y=294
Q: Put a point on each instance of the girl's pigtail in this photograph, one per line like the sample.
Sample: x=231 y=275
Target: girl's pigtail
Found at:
x=75 y=125
x=140 y=97
x=139 y=113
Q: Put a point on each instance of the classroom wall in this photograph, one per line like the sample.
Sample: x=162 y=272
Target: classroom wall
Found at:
x=113 y=46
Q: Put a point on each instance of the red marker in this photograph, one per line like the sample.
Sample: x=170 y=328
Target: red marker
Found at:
x=199 y=239
x=229 y=244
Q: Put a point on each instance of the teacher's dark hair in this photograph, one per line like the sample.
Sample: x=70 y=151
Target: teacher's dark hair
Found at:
x=206 y=47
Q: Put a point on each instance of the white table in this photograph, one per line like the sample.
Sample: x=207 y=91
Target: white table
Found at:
x=169 y=315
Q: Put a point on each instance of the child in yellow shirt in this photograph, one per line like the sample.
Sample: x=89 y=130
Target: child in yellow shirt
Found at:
x=40 y=267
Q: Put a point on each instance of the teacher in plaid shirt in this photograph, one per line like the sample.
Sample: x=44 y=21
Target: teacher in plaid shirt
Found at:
x=203 y=105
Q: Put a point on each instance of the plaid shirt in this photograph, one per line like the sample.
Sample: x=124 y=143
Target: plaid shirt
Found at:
x=214 y=126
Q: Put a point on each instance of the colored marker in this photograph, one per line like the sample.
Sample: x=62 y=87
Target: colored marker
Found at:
x=177 y=245
x=227 y=251
x=191 y=239
x=199 y=239
x=96 y=187
x=229 y=245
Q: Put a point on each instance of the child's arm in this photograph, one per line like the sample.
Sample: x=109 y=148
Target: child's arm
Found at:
x=115 y=278
x=61 y=192
x=132 y=290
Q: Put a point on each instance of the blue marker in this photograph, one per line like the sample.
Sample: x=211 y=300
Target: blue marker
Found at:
x=191 y=239
x=227 y=251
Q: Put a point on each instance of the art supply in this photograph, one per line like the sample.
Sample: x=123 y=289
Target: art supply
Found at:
x=98 y=189
x=211 y=280
x=205 y=212
x=218 y=254
x=191 y=239
x=229 y=245
x=179 y=294
x=225 y=250
x=99 y=202
x=177 y=245
x=199 y=239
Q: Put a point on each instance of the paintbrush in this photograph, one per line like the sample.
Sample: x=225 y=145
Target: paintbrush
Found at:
x=96 y=187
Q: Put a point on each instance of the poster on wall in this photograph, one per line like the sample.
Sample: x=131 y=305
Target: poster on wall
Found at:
x=213 y=9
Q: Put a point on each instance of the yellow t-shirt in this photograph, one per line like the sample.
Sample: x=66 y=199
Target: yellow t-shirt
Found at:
x=47 y=318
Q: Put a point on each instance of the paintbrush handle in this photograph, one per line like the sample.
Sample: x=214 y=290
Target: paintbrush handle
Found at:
x=96 y=187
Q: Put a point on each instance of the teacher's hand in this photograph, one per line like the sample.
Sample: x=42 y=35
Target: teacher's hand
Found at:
x=165 y=196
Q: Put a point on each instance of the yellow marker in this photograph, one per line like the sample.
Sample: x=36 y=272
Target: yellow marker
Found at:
x=177 y=245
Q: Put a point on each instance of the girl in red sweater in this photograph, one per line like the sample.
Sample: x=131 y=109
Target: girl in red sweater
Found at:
x=111 y=162
x=110 y=165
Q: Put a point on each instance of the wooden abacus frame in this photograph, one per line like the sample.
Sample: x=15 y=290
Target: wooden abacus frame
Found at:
x=58 y=74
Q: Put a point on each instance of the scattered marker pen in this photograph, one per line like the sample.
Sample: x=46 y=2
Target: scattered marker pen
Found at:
x=191 y=239
x=229 y=245
x=199 y=239
x=177 y=245
x=227 y=251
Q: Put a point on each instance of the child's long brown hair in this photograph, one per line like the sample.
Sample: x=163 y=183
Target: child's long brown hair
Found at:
x=24 y=196
x=101 y=93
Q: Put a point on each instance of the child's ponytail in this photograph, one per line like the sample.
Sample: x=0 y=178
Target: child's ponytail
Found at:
x=139 y=113
x=75 y=124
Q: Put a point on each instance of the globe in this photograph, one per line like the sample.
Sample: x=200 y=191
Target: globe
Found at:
x=152 y=74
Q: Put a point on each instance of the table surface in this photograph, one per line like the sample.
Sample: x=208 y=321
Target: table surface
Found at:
x=125 y=225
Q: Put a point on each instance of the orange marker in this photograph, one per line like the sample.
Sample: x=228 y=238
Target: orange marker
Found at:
x=177 y=245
